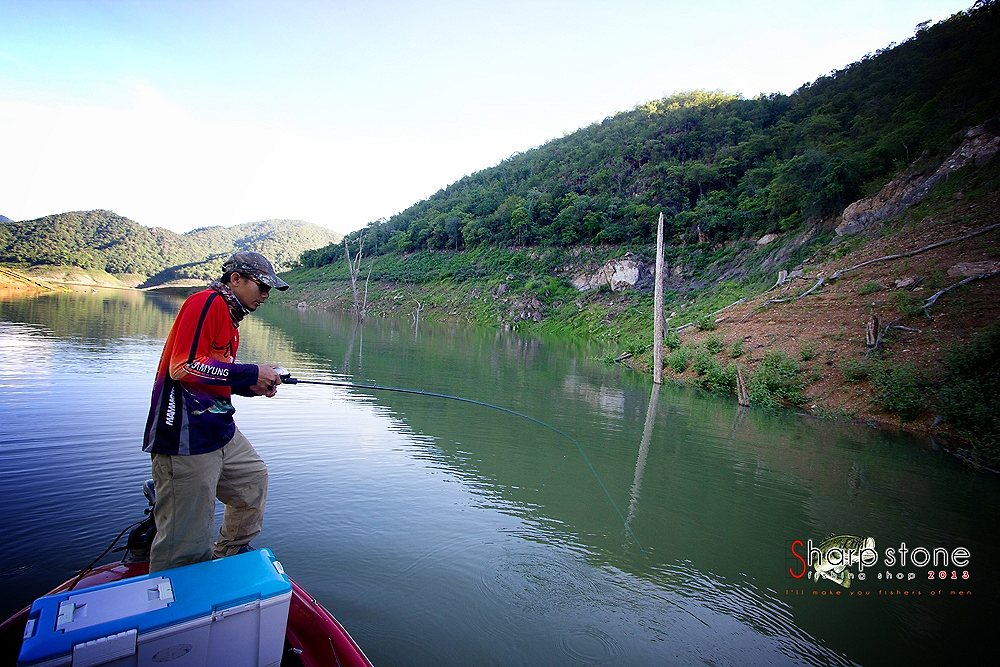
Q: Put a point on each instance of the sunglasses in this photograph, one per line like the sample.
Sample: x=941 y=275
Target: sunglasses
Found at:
x=263 y=287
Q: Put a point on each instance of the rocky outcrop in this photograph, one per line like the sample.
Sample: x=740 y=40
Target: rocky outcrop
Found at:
x=979 y=147
x=619 y=274
x=527 y=307
x=967 y=269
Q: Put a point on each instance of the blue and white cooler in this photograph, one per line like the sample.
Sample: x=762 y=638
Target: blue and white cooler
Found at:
x=230 y=611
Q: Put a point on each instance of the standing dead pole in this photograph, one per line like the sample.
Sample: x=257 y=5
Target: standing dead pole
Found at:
x=742 y=395
x=658 y=307
x=872 y=331
x=416 y=315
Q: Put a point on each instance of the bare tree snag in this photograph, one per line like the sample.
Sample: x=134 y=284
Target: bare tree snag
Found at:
x=742 y=395
x=872 y=331
x=713 y=313
x=837 y=274
x=819 y=283
x=874 y=337
x=931 y=301
x=354 y=268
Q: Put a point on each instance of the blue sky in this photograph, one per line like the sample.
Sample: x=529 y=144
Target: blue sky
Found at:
x=185 y=114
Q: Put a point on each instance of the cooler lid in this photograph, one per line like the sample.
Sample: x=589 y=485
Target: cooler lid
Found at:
x=58 y=622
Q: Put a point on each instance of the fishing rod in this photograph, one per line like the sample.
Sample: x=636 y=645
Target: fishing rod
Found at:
x=286 y=378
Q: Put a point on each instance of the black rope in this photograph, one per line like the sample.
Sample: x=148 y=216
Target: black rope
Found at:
x=79 y=575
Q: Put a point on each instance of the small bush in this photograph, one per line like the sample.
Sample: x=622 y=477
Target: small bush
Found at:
x=703 y=360
x=854 y=371
x=776 y=382
x=807 y=351
x=870 y=288
x=716 y=378
x=736 y=350
x=678 y=359
x=706 y=323
x=721 y=380
x=969 y=400
x=714 y=344
x=898 y=389
x=672 y=340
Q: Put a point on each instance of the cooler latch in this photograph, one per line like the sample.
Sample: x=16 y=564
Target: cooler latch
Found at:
x=104 y=650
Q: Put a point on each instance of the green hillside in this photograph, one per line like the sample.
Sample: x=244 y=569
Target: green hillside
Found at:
x=905 y=140
x=103 y=240
x=722 y=169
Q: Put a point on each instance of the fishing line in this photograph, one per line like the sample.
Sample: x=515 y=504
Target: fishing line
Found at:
x=79 y=575
x=286 y=378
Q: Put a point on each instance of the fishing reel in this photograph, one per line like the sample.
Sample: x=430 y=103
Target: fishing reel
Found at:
x=285 y=375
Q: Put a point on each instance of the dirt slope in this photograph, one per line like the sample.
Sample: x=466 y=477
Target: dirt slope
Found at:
x=829 y=324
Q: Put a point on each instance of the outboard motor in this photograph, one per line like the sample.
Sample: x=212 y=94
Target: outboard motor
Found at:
x=141 y=537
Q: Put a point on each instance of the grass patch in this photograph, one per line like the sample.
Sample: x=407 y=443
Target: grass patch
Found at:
x=906 y=303
x=870 y=288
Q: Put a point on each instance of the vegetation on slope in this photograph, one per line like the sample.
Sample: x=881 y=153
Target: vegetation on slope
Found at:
x=499 y=246
x=721 y=168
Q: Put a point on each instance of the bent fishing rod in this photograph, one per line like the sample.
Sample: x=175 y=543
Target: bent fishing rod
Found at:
x=286 y=378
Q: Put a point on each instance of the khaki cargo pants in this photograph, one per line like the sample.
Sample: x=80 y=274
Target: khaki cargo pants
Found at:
x=186 y=490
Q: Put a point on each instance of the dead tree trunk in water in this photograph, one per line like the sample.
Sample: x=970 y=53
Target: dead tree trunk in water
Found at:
x=742 y=395
x=354 y=268
x=658 y=307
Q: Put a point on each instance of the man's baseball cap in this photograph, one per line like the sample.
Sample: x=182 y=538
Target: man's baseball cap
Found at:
x=254 y=265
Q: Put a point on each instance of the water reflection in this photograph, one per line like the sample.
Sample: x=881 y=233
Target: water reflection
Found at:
x=658 y=533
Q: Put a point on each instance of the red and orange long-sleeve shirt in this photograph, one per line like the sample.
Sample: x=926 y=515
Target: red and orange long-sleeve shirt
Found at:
x=191 y=410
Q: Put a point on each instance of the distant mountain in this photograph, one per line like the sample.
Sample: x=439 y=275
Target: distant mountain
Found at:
x=105 y=240
x=4 y=218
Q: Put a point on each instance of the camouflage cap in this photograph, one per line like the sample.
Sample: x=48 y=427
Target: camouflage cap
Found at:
x=254 y=265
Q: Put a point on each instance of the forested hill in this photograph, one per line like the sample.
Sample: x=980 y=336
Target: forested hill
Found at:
x=106 y=241
x=721 y=168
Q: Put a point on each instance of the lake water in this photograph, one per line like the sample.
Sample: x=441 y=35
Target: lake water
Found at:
x=656 y=527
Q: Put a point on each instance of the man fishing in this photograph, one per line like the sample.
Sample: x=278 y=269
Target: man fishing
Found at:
x=197 y=452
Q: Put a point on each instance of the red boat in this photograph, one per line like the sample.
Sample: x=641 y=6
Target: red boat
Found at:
x=313 y=637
